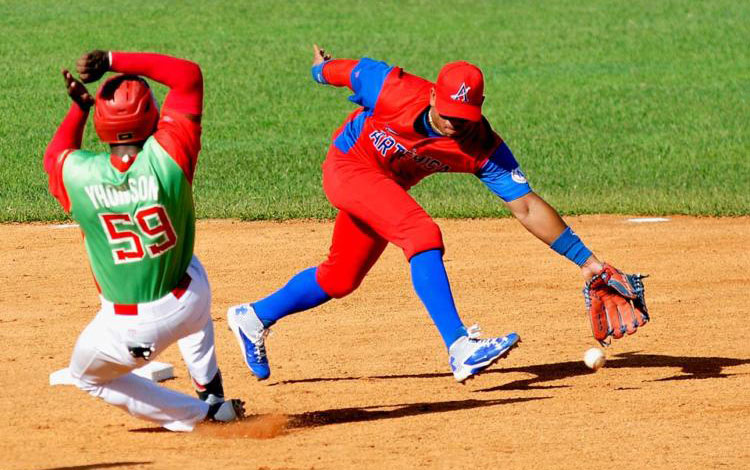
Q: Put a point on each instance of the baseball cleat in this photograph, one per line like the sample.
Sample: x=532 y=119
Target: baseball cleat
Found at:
x=226 y=411
x=251 y=336
x=469 y=355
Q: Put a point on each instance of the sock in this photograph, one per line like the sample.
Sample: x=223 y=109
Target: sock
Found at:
x=431 y=283
x=302 y=292
x=215 y=387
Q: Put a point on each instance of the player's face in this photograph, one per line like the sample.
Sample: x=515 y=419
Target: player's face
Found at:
x=454 y=127
x=450 y=126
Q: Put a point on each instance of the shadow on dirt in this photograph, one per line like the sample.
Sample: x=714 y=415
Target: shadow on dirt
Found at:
x=269 y=426
x=259 y=427
x=99 y=465
x=691 y=368
x=371 y=413
x=433 y=375
x=151 y=430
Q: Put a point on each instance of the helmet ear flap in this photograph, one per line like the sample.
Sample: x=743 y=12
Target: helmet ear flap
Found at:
x=125 y=110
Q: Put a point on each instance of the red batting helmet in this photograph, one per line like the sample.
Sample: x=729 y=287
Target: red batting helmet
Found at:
x=125 y=110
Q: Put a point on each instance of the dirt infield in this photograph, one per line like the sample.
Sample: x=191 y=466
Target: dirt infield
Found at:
x=364 y=381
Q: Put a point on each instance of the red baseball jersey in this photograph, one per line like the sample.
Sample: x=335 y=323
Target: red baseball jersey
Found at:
x=383 y=130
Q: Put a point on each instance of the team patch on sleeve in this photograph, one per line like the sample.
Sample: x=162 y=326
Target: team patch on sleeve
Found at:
x=503 y=176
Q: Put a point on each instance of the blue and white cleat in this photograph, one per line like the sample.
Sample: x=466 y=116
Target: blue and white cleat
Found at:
x=469 y=355
x=251 y=336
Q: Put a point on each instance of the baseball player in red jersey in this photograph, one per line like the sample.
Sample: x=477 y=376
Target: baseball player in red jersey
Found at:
x=134 y=205
x=407 y=128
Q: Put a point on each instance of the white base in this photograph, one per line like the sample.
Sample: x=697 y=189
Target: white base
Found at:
x=646 y=220
x=154 y=371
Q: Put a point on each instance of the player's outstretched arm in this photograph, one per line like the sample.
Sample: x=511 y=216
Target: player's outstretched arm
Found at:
x=543 y=221
x=503 y=176
x=615 y=301
x=329 y=71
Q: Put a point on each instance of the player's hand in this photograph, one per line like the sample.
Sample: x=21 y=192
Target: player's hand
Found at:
x=92 y=65
x=615 y=303
x=591 y=268
x=319 y=55
x=77 y=91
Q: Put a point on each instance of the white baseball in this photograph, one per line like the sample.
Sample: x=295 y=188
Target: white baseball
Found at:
x=594 y=358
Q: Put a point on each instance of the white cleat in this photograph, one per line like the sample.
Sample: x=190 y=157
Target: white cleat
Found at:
x=251 y=336
x=469 y=355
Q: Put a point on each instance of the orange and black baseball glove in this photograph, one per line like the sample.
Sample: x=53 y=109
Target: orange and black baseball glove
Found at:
x=616 y=304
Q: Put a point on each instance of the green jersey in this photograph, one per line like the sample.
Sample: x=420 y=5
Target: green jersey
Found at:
x=138 y=224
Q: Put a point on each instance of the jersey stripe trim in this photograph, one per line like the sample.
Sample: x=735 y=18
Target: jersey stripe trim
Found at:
x=351 y=132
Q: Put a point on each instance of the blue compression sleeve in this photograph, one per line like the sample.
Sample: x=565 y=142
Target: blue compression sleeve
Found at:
x=570 y=246
x=302 y=292
x=431 y=283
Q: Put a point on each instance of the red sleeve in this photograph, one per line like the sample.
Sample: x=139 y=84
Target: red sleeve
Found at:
x=337 y=72
x=181 y=138
x=67 y=138
x=183 y=77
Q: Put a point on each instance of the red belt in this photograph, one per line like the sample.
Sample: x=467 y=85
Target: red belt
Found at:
x=132 y=309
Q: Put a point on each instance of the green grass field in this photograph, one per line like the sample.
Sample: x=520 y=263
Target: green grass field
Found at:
x=619 y=107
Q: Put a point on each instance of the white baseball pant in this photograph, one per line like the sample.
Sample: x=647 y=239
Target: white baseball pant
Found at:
x=101 y=363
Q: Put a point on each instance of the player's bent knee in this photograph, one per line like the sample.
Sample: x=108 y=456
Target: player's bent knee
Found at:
x=83 y=382
x=427 y=236
x=340 y=289
x=338 y=286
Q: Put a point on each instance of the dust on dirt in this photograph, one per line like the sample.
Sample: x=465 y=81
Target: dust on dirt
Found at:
x=251 y=427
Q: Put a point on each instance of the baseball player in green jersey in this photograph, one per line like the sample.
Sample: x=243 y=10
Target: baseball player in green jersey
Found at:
x=134 y=205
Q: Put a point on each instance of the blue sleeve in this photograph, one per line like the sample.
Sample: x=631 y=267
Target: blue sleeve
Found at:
x=502 y=175
x=367 y=80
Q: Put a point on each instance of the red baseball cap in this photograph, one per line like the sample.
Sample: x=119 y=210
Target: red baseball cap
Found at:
x=460 y=91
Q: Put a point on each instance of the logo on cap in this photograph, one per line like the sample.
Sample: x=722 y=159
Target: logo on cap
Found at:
x=462 y=94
